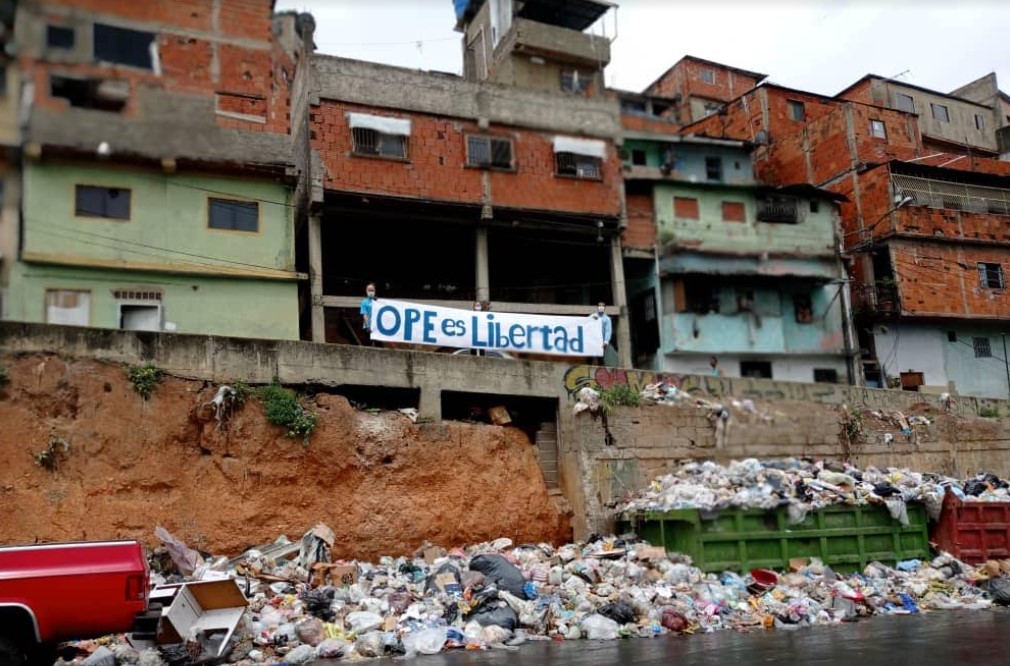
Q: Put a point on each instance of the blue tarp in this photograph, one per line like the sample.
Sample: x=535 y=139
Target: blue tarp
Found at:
x=461 y=7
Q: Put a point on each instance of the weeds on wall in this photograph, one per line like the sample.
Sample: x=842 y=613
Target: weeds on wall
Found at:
x=619 y=395
x=144 y=378
x=282 y=407
x=242 y=391
x=51 y=457
x=854 y=424
x=988 y=412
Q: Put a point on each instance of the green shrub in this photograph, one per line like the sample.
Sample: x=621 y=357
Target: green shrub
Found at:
x=283 y=408
x=145 y=378
x=988 y=412
x=619 y=395
x=242 y=391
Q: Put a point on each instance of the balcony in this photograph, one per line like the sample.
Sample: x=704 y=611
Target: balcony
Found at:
x=878 y=298
x=781 y=211
x=558 y=43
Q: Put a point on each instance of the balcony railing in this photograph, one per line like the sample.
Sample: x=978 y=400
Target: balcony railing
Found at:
x=782 y=211
x=880 y=297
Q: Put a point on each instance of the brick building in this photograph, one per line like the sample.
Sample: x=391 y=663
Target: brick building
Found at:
x=160 y=172
x=503 y=185
x=922 y=225
x=699 y=87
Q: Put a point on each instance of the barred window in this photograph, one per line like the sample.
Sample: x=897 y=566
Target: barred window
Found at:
x=982 y=347
x=580 y=166
x=489 y=152
x=372 y=142
x=990 y=276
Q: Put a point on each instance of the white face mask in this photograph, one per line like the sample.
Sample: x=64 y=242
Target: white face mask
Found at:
x=601 y=310
x=371 y=294
x=477 y=308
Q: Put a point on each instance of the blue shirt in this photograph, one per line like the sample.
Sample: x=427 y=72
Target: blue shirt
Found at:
x=366 y=312
x=608 y=326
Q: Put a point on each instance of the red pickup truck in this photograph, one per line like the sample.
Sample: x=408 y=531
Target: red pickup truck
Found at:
x=63 y=591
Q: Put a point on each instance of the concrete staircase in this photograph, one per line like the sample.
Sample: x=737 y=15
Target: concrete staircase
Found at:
x=547 y=453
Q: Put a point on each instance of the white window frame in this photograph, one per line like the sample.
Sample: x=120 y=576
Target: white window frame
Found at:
x=708 y=76
x=874 y=125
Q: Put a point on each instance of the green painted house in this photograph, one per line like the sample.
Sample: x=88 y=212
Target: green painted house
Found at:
x=137 y=247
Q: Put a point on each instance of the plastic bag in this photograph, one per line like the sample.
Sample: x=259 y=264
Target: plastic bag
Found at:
x=331 y=648
x=896 y=506
x=310 y=632
x=361 y=621
x=369 y=645
x=999 y=590
x=599 y=628
x=446 y=578
x=300 y=655
x=426 y=641
x=185 y=558
x=673 y=620
x=319 y=602
x=497 y=614
x=619 y=612
x=501 y=572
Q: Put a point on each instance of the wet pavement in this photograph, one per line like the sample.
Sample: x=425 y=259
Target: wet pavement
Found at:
x=975 y=638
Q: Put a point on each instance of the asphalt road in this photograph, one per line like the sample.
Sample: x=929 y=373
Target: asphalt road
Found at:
x=972 y=638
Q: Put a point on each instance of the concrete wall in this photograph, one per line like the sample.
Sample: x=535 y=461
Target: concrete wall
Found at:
x=689 y=160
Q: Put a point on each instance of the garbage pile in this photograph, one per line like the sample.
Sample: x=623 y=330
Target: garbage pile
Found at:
x=804 y=486
x=301 y=607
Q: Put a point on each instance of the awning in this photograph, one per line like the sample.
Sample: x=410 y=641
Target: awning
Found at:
x=384 y=124
x=588 y=147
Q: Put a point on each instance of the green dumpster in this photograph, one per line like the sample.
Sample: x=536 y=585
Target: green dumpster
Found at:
x=844 y=537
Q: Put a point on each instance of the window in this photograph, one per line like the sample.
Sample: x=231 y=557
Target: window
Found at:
x=123 y=46
x=904 y=103
x=59 y=37
x=803 y=305
x=757 y=369
x=825 y=376
x=979 y=122
x=713 y=168
x=139 y=317
x=372 y=142
x=108 y=95
x=695 y=296
x=982 y=348
x=796 y=110
x=708 y=75
x=777 y=209
x=815 y=206
x=685 y=208
x=638 y=157
x=233 y=215
x=634 y=106
x=488 y=152
x=878 y=129
x=108 y=202
x=68 y=307
x=990 y=275
x=574 y=82
x=951 y=336
x=733 y=211
x=940 y=112
x=580 y=166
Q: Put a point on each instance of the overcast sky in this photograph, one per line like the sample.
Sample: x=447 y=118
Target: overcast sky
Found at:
x=816 y=45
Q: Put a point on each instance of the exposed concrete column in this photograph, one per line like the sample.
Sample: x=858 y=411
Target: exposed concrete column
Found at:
x=622 y=328
x=483 y=276
x=430 y=403
x=316 y=278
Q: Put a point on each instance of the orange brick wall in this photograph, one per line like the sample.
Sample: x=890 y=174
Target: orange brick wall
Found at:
x=861 y=92
x=635 y=123
x=640 y=233
x=685 y=79
x=938 y=279
x=437 y=170
x=261 y=68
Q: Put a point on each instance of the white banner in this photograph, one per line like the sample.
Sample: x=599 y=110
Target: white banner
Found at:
x=400 y=321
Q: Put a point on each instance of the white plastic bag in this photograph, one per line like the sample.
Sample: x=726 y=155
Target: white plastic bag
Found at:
x=599 y=628
x=361 y=621
x=426 y=641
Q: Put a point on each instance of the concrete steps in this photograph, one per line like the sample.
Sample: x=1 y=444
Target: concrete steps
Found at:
x=547 y=453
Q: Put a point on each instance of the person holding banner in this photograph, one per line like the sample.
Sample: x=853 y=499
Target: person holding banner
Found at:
x=608 y=329
x=366 y=312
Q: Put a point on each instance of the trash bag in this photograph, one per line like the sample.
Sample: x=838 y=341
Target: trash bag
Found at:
x=331 y=648
x=673 y=620
x=619 y=612
x=599 y=628
x=885 y=489
x=499 y=614
x=999 y=591
x=311 y=631
x=361 y=621
x=444 y=579
x=501 y=572
x=302 y=654
x=426 y=641
x=185 y=558
x=318 y=603
x=896 y=506
x=974 y=487
x=370 y=644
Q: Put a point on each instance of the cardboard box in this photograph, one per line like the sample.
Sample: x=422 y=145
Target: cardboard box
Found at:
x=214 y=608
x=650 y=553
x=432 y=554
x=337 y=575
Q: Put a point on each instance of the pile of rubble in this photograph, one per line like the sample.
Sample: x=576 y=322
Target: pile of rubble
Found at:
x=804 y=486
x=291 y=605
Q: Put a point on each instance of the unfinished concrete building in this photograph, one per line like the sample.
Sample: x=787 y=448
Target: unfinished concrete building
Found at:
x=503 y=185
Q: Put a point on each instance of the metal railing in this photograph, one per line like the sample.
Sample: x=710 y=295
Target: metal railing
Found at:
x=953 y=196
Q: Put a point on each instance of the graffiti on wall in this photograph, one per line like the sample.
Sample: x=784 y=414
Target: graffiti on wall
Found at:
x=600 y=378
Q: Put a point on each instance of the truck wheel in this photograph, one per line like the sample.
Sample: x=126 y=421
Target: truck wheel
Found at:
x=11 y=653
